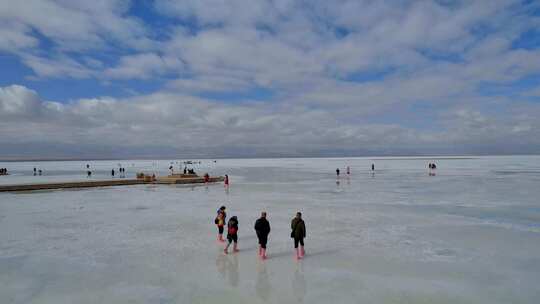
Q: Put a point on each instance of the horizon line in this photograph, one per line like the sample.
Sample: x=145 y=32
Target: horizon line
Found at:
x=374 y=157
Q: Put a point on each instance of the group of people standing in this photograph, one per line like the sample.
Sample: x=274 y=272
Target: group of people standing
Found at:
x=349 y=170
x=121 y=170
x=3 y=171
x=432 y=168
x=37 y=172
x=262 y=230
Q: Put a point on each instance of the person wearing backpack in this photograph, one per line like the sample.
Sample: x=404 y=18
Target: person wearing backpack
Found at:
x=232 y=234
x=220 y=222
x=298 y=233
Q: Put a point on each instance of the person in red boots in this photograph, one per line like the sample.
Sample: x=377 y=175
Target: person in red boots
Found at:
x=262 y=228
x=298 y=233
x=220 y=222
x=232 y=234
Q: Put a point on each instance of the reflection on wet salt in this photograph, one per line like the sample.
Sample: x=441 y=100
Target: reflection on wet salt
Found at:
x=263 y=288
x=299 y=283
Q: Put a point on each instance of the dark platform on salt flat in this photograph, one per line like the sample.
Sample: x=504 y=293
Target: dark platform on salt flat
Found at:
x=171 y=179
x=187 y=179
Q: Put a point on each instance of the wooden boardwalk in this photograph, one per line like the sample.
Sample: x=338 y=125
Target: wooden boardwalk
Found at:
x=107 y=183
x=68 y=185
x=187 y=180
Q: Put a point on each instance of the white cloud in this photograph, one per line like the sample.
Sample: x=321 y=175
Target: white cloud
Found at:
x=16 y=101
x=143 y=66
x=76 y=25
x=15 y=36
x=170 y=122
x=58 y=67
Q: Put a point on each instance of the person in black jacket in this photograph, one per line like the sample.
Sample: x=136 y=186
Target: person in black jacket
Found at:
x=262 y=228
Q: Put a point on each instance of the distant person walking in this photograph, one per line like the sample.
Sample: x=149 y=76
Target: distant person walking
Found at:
x=112 y=172
x=262 y=228
x=348 y=170
x=372 y=167
x=298 y=233
x=226 y=181
x=35 y=171
x=220 y=222
x=337 y=172
x=232 y=234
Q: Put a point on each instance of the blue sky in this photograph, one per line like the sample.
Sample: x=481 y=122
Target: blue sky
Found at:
x=268 y=78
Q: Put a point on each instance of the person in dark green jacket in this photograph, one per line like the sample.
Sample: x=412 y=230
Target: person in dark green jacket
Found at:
x=298 y=233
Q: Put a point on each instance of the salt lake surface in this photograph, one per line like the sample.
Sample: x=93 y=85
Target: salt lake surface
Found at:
x=470 y=234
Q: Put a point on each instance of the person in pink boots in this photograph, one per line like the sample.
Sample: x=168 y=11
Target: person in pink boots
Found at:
x=220 y=222
x=232 y=234
x=262 y=228
x=298 y=233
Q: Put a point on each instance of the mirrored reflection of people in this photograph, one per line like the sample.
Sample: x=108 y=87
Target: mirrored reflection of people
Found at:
x=232 y=270
x=227 y=267
x=221 y=265
x=299 y=283
x=262 y=228
x=298 y=233
x=348 y=170
x=262 y=285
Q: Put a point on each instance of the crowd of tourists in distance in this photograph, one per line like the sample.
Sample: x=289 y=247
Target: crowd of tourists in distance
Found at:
x=262 y=230
x=121 y=171
x=3 y=171
x=431 y=167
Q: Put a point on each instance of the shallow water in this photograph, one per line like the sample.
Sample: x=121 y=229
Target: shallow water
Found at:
x=470 y=234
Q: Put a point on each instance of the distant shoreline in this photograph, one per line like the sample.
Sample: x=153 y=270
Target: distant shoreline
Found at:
x=397 y=157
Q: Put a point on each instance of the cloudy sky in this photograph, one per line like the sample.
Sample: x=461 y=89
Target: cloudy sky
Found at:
x=233 y=78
